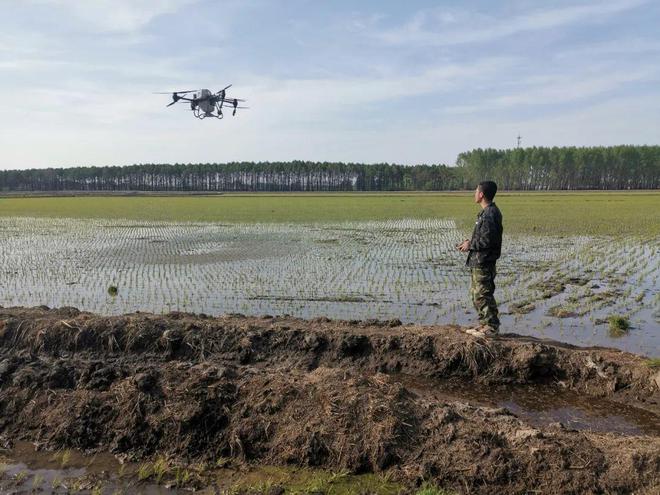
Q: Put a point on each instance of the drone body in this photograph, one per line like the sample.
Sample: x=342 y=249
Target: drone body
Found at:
x=204 y=103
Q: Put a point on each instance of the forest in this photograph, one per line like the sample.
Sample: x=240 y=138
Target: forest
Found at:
x=535 y=168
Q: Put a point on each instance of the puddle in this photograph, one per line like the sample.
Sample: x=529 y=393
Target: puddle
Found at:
x=26 y=470
x=543 y=405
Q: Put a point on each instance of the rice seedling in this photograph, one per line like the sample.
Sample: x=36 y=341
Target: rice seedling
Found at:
x=37 y=481
x=145 y=471
x=159 y=468
x=77 y=485
x=618 y=325
x=20 y=477
x=65 y=458
x=181 y=476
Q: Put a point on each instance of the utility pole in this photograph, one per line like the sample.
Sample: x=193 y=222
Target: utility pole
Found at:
x=519 y=139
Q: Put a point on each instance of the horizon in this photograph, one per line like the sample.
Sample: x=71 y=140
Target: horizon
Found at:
x=376 y=83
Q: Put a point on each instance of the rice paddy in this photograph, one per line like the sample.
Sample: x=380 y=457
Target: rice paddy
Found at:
x=537 y=213
x=566 y=287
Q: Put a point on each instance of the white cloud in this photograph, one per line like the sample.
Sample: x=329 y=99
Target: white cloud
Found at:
x=634 y=46
x=558 y=88
x=118 y=15
x=180 y=138
x=429 y=27
x=317 y=99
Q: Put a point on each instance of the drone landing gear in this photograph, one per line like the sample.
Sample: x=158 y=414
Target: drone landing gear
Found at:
x=218 y=108
x=201 y=114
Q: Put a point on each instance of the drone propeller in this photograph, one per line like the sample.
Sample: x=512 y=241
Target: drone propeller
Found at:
x=222 y=91
x=174 y=92
x=176 y=97
x=238 y=108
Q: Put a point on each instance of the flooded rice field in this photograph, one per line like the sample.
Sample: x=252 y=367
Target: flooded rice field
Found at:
x=563 y=288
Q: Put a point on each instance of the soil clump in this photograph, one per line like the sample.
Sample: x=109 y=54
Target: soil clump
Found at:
x=318 y=393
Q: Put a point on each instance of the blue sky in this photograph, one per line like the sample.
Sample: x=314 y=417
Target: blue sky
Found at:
x=371 y=81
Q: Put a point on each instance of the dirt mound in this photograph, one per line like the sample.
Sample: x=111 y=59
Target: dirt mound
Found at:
x=315 y=393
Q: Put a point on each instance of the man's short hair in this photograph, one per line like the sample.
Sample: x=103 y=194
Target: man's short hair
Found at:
x=489 y=188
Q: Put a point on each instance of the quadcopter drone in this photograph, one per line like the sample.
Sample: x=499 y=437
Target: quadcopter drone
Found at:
x=204 y=103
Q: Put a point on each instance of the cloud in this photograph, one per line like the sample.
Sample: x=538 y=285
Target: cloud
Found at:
x=117 y=15
x=317 y=99
x=177 y=137
x=555 y=89
x=622 y=46
x=428 y=28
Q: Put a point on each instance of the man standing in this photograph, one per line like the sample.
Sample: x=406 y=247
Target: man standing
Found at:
x=484 y=249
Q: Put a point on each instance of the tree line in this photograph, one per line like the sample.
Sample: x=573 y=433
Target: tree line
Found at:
x=237 y=177
x=618 y=167
x=565 y=168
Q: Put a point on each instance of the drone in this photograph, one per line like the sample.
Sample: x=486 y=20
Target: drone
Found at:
x=204 y=103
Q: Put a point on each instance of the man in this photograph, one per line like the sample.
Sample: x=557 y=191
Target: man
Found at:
x=484 y=249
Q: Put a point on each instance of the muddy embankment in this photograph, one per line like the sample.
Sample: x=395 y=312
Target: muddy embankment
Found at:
x=320 y=393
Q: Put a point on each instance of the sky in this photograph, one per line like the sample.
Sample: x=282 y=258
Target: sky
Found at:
x=369 y=81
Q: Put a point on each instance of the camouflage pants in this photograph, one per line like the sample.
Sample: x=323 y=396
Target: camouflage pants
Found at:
x=482 y=291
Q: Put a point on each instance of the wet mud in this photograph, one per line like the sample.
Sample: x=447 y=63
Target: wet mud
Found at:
x=422 y=404
x=26 y=470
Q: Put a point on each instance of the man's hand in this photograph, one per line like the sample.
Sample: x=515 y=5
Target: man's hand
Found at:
x=464 y=246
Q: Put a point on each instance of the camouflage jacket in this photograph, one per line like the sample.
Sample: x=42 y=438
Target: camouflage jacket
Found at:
x=486 y=242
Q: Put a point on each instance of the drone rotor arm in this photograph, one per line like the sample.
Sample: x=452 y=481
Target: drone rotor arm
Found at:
x=179 y=98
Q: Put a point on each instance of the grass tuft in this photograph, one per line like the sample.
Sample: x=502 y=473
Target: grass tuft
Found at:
x=619 y=325
x=429 y=489
x=653 y=363
x=145 y=471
